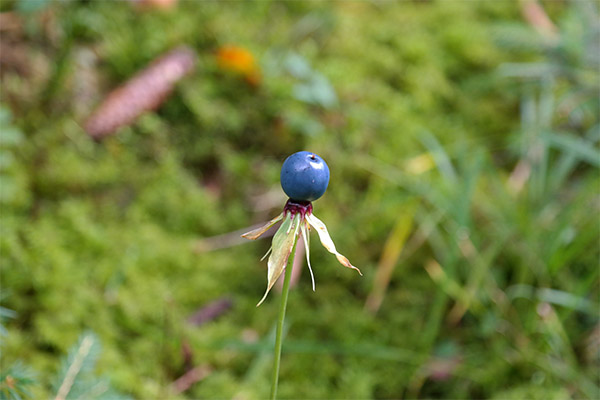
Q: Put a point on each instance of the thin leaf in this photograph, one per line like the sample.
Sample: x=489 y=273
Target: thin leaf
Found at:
x=526 y=70
x=569 y=143
x=304 y=229
x=256 y=233
x=450 y=286
x=327 y=242
x=7 y=313
x=442 y=160
x=10 y=136
x=14 y=394
x=283 y=243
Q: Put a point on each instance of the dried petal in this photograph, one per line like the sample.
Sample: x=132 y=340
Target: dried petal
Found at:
x=283 y=243
x=327 y=242
x=256 y=233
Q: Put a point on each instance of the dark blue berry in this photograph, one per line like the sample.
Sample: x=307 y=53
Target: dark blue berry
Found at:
x=304 y=176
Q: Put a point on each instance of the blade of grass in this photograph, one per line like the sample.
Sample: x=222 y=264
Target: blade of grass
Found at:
x=480 y=266
x=366 y=350
x=389 y=257
x=568 y=143
x=450 y=286
x=440 y=156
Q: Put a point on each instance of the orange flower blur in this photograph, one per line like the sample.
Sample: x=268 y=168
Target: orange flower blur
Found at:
x=239 y=60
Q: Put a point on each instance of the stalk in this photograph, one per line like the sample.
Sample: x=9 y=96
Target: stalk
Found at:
x=278 y=339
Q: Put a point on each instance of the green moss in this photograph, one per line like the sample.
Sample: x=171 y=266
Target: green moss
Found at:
x=103 y=236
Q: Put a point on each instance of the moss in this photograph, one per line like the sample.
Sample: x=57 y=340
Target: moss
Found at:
x=103 y=235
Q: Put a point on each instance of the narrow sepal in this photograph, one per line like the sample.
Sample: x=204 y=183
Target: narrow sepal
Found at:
x=266 y=254
x=304 y=230
x=283 y=244
x=327 y=242
x=256 y=233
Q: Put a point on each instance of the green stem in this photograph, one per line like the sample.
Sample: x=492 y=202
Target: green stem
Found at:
x=278 y=339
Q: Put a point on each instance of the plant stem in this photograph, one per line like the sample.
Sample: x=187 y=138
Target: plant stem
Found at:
x=278 y=339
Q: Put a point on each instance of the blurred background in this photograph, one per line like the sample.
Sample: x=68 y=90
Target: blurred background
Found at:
x=140 y=138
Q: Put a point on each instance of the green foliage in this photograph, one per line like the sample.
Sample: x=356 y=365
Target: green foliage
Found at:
x=458 y=113
x=76 y=379
x=15 y=381
x=13 y=181
x=5 y=314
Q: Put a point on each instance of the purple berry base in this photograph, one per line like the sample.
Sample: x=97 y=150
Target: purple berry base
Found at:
x=294 y=207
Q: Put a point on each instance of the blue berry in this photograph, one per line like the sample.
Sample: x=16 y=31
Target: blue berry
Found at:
x=304 y=176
